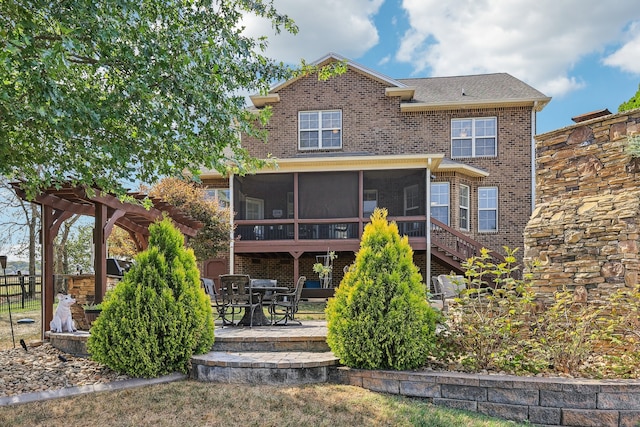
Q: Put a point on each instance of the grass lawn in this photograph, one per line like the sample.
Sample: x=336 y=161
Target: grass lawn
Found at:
x=28 y=331
x=191 y=403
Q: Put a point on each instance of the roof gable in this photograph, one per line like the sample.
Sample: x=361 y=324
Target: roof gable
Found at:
x=403 y=90
x=435 y=93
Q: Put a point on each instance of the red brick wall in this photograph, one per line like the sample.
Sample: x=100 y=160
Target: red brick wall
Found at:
x=373 y=124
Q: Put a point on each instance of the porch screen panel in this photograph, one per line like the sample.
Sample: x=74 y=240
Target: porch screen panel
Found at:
x=390 y=185
x=328 y=195
x=271 y=189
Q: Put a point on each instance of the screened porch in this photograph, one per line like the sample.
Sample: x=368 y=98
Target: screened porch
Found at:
x=326 y=206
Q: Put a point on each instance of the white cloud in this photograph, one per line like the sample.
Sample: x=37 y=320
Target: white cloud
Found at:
x=385 y=60
x=342 y=26
x=627 y=56
x=538 y=42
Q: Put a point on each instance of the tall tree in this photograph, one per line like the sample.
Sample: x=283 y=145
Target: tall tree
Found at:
x=632 y=103
x=19 y=226
x=120 y=244
x=78 y=249
x=102 y=93
x=213 y=237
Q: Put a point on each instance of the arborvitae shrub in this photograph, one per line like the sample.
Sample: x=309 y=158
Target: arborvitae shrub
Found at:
x=154 y=320
x=380 y=317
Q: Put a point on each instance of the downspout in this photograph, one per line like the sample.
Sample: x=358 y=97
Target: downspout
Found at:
x=231 y=232
x=533 y=156
x=428 y=225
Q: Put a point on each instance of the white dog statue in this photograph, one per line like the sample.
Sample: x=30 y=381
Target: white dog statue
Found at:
x=62 y=320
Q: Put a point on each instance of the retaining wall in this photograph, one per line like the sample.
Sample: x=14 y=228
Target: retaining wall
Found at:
x=538 y=400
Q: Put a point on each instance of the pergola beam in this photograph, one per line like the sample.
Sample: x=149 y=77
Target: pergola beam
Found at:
x=59 y=204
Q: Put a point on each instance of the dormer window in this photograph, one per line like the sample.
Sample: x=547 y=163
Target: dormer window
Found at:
x=319 y=130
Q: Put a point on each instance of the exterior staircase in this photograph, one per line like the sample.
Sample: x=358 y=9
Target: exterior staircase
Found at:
x=273 y=355
x=452 y=247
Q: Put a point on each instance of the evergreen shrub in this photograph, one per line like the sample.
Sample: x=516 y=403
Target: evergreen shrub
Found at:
x=158 y=316
x=380 y=317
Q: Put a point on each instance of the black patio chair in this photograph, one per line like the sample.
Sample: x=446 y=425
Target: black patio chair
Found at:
x=286 y=304
x=237 y=295
x=216 y=300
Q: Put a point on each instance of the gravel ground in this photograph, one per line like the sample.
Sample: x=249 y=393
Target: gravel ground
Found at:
x=43 y=368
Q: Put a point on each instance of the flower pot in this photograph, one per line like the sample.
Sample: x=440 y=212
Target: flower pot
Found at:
x=91 y=314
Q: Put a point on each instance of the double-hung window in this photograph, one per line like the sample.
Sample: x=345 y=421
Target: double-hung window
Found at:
x=487 y=209
x=320 y=129
x=440 y=201
x=464 y=207
x=219 y=194
x=474 y=137
x=369 y=202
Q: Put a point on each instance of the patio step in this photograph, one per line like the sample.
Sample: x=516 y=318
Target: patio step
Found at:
x=268 y=355
x=271 y=339
x=274 y=368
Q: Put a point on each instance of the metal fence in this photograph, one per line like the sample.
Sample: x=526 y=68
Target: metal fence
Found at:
x=22 y=292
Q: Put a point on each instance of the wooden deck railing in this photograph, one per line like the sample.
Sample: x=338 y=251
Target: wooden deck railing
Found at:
x=451 y=241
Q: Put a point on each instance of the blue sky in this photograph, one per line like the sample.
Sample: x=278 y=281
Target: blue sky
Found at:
x=585 y=54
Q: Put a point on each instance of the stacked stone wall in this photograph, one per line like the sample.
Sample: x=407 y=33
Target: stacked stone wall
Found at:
x=82 y=287
x=584 y=229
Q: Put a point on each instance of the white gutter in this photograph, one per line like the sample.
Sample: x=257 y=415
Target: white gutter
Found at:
x=231 y=233
x=428 y=225
x=533 y=156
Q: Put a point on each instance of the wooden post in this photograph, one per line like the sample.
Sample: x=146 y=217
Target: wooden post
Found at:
x=47 y=267
x=100 y=244
x=51 y=221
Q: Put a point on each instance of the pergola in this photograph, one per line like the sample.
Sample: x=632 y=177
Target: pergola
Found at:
x=59 y=204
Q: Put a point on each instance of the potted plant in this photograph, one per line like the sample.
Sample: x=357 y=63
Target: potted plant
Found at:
x=91 y=312
x=325 y=268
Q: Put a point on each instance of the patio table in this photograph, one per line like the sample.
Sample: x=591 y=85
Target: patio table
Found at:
x=259 y=319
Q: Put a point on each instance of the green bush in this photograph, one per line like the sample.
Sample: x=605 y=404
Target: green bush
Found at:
x=567 y=332
x=505 y=330
x=380 y=317
x=157 y=316
x=492 y=329
x=617 y=347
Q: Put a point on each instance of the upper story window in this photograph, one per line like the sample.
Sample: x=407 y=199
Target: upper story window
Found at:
x=474 y=137
x=320 y=129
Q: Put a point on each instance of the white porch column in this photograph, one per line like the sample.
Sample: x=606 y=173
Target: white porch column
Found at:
x=231 y=232
x=428 y=224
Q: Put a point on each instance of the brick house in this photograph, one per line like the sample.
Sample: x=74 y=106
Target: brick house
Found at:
x=456 y=149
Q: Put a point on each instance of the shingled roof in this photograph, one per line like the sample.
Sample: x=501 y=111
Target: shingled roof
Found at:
x=437 y=93
x=473 y=88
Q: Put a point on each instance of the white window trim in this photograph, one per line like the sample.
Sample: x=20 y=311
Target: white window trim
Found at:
x=369 y=193
x=467 y=208
x=407 y=189
x=319 y=130
x=259 y=203
x=447 y=205
x=222 y=195
x=474 y=137
x=488 y=209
